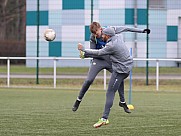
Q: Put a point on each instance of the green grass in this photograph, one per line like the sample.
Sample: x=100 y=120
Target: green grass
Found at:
x=137 y=84
x=48 y=112
x=22 y=69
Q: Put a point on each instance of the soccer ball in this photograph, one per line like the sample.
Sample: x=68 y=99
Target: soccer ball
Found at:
x=49 y=34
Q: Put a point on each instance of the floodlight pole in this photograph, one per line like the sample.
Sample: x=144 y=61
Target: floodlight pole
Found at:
x=147 y=42
x=37 y=61
x=92 y=4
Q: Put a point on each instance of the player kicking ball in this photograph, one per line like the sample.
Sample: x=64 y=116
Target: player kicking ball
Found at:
x=122 y=64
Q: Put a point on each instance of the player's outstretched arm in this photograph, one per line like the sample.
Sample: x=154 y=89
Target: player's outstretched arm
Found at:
x=92 y=46
x=101 y=52
x=120 y=29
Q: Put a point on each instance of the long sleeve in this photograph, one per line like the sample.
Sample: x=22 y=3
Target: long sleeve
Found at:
x=101 y=52
x=120 y=29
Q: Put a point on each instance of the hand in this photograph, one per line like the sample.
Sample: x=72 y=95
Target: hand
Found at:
x=80 y=47
x=82 y=55
x=146 y=31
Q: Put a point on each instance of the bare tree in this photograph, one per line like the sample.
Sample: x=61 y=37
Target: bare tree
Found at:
x=3 y=5
x=12 y=27
x=12 y=12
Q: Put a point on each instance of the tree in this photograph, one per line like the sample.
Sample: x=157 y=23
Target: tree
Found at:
x=12 y=27
x=12 y=18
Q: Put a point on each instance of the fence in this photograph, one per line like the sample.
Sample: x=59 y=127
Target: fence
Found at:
x=68 y=58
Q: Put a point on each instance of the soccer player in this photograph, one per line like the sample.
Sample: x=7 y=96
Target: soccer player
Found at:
x=100 y=62
x=122 y=64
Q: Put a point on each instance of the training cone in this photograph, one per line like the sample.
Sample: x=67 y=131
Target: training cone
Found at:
x=131 y=107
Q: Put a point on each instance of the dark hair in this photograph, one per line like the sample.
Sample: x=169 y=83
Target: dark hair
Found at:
x=94 y=26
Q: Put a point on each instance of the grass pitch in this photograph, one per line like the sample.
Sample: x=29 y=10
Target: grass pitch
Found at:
x=47 y=112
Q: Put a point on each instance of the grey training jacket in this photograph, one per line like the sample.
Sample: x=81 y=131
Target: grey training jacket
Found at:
x=122 y=62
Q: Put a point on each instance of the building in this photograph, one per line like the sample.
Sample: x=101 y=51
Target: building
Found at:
x=71 y=19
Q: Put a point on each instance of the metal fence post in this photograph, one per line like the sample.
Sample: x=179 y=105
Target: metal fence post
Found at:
x=8 y=72
x=157 y=75
x=54 y=72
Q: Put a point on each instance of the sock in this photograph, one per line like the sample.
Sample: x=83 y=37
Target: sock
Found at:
x=103 y=119
x=79 y=99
